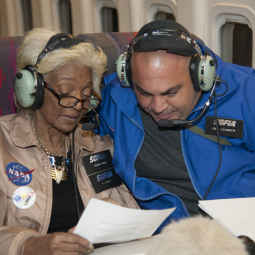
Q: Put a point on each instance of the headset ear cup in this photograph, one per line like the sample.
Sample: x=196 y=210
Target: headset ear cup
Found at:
x=193 y=70
x=207 y=72
x=24 y=88
x=39 y=94
x=121 y=70
x=129 y=70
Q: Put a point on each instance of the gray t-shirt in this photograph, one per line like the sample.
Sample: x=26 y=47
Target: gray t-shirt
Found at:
x=160 y=160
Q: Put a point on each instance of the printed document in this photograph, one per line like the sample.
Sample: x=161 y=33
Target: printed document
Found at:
x=235 y=214
x=104 y=222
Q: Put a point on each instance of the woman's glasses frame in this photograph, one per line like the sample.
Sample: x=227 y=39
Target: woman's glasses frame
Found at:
x=96 y=98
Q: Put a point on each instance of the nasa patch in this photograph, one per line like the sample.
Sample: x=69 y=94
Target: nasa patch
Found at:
x=18 y=174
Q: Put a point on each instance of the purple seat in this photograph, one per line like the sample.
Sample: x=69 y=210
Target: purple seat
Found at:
x=113 y=44
x=8 y=50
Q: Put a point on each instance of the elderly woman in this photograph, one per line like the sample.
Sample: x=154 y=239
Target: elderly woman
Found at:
x=44 y=156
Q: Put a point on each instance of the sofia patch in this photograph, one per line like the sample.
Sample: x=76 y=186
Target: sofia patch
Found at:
x=18 y=174
x=23 y=197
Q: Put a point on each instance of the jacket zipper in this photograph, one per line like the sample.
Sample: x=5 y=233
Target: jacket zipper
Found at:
x=163 y=193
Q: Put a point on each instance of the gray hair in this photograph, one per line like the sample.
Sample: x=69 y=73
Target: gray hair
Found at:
x=84 y=54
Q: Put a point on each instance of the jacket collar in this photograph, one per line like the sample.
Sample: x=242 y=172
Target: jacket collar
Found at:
x=22 y=134
x=83 y=140
x=127 y=102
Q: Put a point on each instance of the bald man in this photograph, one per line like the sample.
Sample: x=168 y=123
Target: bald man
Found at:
x=170 y=76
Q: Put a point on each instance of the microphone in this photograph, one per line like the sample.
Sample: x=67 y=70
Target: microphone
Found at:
x=173 y=123
x=89 y=126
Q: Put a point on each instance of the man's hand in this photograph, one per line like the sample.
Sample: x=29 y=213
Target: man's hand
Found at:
x=58 y=243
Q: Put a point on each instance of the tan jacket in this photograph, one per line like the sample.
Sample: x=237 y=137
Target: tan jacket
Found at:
x=18 y=143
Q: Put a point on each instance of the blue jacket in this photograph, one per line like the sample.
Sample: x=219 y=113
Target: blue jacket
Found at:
x=120 y=118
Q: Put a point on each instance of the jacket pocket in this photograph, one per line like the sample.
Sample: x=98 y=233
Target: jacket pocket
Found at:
x=10 y=218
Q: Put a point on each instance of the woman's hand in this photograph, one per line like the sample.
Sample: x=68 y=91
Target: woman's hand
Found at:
x=71 y=230
x=58 y=243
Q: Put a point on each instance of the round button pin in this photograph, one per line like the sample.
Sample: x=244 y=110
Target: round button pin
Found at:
x=23 y=197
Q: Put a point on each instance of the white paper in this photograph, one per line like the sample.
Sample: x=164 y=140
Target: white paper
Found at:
x=236 y=214
x=105 y=222
x=137 y=247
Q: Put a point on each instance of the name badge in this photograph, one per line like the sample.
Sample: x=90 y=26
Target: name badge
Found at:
x=227 y=127
x=100 y=171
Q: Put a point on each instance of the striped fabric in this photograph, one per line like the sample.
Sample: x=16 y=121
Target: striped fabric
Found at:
x=113 y=44
x=8 y=50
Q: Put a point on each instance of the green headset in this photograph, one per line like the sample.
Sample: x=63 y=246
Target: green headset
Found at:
x=29 y=84
x=201 y=68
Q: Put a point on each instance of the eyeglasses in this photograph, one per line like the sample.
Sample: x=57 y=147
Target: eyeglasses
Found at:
x=70 y=102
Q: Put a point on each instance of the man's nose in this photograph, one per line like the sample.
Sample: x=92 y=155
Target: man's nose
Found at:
x=159 y=104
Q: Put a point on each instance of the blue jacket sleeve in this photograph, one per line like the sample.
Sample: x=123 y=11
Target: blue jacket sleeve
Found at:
x=106 y=109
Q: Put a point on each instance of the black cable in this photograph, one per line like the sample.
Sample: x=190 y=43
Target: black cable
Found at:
x=216 y=119
x=75 y=182
x=218 y=138
x=225 y=90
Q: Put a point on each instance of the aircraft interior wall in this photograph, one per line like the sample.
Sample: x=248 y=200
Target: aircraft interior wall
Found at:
x=225 y=26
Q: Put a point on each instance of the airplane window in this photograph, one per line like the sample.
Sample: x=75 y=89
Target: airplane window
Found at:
x=242 y=46
x=65 y=16
x=109 y=19
x=27 y=15
x=164 y=15
x=160 y=11
x=236 y=43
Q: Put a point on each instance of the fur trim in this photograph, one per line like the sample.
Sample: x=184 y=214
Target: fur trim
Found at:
x=197 y=235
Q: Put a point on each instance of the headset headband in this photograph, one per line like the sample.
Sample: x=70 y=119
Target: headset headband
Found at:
x=167 y=32
x=152 y=39
x=57 y=41
x=175 y=41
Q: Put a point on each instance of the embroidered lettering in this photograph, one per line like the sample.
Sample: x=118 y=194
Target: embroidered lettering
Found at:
x=97 y=157
x=223 y=122
x=104 y=176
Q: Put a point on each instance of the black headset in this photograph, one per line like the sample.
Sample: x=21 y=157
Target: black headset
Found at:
x=201 y=68
x=29 y=84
